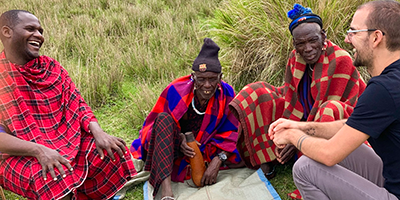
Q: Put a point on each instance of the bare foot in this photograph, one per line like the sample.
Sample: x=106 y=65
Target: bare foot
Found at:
x=166 y=189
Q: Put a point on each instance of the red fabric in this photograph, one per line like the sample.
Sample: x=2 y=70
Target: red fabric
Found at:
x=219 y=127
x=258 y=104
x=295 y=195
x=40 y=103
x=218 y=130
x=163 y=148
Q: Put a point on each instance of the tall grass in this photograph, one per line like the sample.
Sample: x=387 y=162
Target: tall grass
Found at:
x=120 y=53
x=102 y=43
x=256 y=42
x=255 y=38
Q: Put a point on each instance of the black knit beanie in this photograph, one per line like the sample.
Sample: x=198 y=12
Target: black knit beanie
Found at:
x=207 y=60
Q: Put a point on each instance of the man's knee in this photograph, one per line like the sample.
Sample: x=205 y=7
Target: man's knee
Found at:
x=164 y=117
x=329 y=102
x=302 y=164
x=164 y=126
x=332 y=110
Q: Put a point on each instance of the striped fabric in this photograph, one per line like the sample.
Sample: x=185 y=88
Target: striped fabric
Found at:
x=40 y=103
x=163 y=141
x=218 y=131
x=334 y=80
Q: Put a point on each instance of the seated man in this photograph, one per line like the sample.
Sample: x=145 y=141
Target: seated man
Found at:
x=321 y=84
x=50 y=142
x=195 y=103
x=337 y=165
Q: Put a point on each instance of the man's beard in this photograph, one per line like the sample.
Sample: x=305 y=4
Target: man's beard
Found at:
x=364 y=57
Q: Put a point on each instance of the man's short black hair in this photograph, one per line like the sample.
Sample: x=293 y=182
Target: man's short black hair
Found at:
x=10 y=18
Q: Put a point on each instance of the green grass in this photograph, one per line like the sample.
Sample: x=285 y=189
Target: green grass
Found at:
x=283 y=182
x=122 y=53
x=255 y=39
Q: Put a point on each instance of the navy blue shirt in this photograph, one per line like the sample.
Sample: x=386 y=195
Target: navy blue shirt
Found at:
x=377 y=114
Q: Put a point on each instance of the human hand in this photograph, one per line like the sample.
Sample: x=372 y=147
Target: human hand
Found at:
x=50 y=159
x=281 y=124
x=282 y=137
x=186 y=149
x=107 y=142
x=283 y=155
x=211 y=173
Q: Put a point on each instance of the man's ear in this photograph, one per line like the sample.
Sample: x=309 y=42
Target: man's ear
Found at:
x=6 y=31
x=377 y=37
x=323 y=33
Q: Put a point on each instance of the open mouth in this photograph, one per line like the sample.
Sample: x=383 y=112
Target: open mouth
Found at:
x=34 y=43
x=354 y=52
x=207 y=92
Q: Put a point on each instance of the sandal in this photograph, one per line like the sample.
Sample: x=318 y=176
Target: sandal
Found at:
x=168 y=198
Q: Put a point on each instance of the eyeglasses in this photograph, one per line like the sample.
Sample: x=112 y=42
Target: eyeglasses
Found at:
x=351 y=33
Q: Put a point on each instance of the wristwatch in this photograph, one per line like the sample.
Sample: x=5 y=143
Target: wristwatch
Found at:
x=222 y=156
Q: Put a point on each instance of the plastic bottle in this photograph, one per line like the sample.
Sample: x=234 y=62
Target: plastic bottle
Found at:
x=197 y=162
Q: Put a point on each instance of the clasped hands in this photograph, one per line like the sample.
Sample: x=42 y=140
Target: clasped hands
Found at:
x=211 y=173
x=279 y=132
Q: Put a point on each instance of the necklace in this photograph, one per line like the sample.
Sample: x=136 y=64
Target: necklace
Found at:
x=309 y=66
x=195 y=110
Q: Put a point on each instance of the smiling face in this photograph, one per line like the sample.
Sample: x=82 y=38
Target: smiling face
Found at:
x=24 y=39
x=206 y=84
x=363 y=54
x=308 y=39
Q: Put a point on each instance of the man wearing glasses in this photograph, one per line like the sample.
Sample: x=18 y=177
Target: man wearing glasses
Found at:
x=337 y=165
x=321 y=84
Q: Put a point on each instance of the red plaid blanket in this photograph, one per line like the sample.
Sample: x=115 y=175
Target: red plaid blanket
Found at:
x=40 y=103
x=335 y=82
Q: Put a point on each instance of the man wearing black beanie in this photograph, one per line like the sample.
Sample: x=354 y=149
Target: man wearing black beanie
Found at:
x=207 y=60
x=196 y=103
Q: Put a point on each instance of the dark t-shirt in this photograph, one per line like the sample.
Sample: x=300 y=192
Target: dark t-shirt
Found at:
x=377 y=114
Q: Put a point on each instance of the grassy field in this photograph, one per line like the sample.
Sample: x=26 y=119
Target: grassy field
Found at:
x=254 y=34
x=122 y=53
